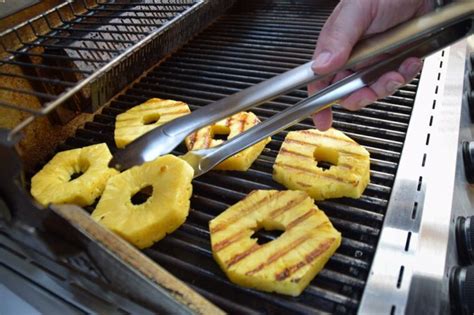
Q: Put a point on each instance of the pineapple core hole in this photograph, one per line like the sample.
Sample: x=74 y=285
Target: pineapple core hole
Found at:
x=263 y=236
x=76 y=175
x=220 y=133
x=326 y=157
x=83 y=166
x=142 y=195
x=151 y=119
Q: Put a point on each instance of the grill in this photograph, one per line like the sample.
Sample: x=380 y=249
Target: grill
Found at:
x=251 y=42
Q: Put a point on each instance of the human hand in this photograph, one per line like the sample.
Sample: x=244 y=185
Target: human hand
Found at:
x=351 y=21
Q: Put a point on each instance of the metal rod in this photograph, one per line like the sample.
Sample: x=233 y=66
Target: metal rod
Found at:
x=23 y=109
x=32 y=65
x=33 y=78
x=115 y=61
x=23 y=91
x=85 y=39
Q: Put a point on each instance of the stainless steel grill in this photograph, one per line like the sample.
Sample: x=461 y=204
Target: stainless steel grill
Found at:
x=90 y=51
x=251 y=43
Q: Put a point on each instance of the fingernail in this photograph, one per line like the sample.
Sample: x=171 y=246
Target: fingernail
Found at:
x=364 y=102
x=414 y=68
x=322 y=59
x=393 y=86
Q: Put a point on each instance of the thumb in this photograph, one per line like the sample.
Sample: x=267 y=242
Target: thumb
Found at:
x=346 y=25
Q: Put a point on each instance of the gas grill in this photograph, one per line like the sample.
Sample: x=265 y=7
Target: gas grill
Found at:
x=83 y=63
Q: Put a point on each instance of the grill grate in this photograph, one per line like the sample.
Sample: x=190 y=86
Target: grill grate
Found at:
x=251 y=43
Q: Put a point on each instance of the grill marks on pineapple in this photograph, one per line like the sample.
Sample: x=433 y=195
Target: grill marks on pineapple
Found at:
x=228 y=241
x=192 y=140
x=319 y=174
x=285 y=264
x=243 y=233
x=319 y=135
x=287 y=272
x=300 y=219
x=285 y=151
x=280 y=253
x=252 y=207
x=305 y=143
x=242 y=255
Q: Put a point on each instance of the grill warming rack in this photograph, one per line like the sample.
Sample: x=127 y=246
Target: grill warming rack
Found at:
x=92 y=49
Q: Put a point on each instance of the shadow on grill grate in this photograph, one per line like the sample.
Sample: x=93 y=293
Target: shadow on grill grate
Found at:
x=253 y=42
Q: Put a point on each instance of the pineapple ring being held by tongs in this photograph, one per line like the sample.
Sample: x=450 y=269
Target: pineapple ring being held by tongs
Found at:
x=143 y=222
x=230 y=127
x=286 y=264
x=55 y=182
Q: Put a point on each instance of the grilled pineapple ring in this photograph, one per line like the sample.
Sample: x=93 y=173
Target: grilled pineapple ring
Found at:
x=297 y=164
x=163 y=212
x=206 y=138
x=53 y=184
x=285 y=265
x=142 y=118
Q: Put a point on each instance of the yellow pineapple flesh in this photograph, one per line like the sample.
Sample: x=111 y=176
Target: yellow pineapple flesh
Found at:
x=142 y=118
x=162 y=213
x=53 y=183
x=286 y=264
x=297 y=164
x=206 y=138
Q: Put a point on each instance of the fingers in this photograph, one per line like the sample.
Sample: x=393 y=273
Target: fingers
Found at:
x=341 y=32
x=386 y=85
x=410 y=68
x=323 y=119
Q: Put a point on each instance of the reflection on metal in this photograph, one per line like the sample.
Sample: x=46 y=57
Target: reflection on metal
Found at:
x=408 y=273
x=8 y=7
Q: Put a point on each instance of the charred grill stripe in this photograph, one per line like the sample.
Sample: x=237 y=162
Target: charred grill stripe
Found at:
x=322 y=174
x=289 y=205
x=295 y=141
x=228 y=241
x=303 y=184
x=157 y=106
x=285 y=273
x=192 y=140
x=318 y=135
x=208 y=138
x=282 y=252
x=285 y=151
x=176 y=112
x=254 y=207
x=243 y=122
x=242 y=255
x=300 y=219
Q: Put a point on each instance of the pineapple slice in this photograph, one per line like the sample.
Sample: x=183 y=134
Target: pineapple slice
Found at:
x=230 y=127
x=163 y=212
x=297 y=164
x=140 y=119
x=53 y=184
x=286 y=264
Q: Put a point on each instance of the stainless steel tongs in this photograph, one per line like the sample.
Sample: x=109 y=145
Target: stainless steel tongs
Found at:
x=419 y=37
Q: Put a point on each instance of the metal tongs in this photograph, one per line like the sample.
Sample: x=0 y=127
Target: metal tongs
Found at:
x=419 y=37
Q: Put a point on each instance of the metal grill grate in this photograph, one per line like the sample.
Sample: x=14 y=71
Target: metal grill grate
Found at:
x=253 y=42
x=68 y=49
